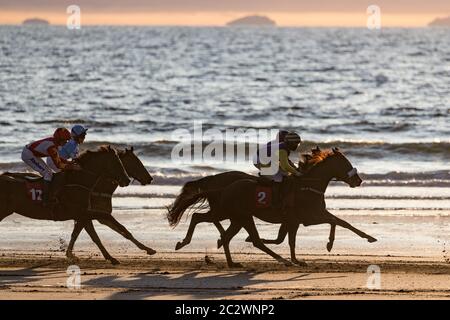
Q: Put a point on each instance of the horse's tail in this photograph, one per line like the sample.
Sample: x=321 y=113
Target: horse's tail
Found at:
x=192 y=193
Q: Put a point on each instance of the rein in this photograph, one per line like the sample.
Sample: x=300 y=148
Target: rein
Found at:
x=312 y=190
x=92 y=188
x=350 y=174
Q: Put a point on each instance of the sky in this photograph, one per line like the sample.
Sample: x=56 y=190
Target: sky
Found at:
x=347 y=13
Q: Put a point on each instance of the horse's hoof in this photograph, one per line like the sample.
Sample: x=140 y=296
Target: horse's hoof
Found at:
x=235 y=265
x=248 y=239
x=114 y=261
x=329 y=246
x=179 y=246
x=219 y=244
x=150 y=251
x=287 y=263
x=300 y=263
x=371 y=239
x=72 y=258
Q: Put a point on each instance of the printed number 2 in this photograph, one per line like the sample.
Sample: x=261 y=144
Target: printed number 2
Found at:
x=262 y=197
x=36 y=194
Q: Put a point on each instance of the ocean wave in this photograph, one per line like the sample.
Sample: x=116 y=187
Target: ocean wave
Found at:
x=375 y=149
x=439 y=178
x=177 y=176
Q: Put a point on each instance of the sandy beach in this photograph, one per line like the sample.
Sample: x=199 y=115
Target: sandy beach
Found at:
x=411 y=254
x=188 y=276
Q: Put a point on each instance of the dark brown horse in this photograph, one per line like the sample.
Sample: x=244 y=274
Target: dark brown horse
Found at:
x=74 y=196
x=306 y=205
x=222 y=180
x=102 y=197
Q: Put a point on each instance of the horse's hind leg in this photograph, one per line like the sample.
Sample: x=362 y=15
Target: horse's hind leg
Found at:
x=5 y=209
x=249 y=225
x=345 y=224
x=119 y=228
x=293 y=228
x=77 y=228
x=4 y=214
x=226 y=237
x=196 y=219
x=282 y=233
x=93 y=234
x=331 y=237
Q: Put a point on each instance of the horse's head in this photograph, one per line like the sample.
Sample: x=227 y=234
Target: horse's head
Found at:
x=332 y=164
x=344 y=169
x=105 y=162
x=134 y=167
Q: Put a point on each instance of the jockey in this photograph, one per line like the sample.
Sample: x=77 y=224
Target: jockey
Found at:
x=291 y=143
x=268 y=148
x=33 y=153
x=286 y=142
x=71 y=149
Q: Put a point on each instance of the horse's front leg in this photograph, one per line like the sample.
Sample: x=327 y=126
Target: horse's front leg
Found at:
x=335 y=220
x=77 y=228
x=119 y=228
x=292 y=231
x=94 y=236
x=331 y=237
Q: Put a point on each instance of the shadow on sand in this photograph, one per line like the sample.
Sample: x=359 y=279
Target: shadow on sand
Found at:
x=192 y=285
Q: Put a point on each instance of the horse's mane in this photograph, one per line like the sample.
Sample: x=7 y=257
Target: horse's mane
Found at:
x=313 y=158
x=102 y=149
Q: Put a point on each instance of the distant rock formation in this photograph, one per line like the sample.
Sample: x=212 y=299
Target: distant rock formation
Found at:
x=36 y=21
x=252 y=21
x=440 y=22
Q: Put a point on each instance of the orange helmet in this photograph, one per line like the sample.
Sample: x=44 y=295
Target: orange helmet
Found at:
x=61 y=135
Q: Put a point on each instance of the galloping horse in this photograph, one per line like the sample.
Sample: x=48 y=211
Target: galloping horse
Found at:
x=305 y=205
x=74 y=196
x=219 y=182
x=136 y=170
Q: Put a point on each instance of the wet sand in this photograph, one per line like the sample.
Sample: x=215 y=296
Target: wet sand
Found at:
x=189 y=275
x=411 y=252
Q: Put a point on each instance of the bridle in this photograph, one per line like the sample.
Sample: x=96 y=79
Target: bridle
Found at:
x=350 y=174
x=353 y=172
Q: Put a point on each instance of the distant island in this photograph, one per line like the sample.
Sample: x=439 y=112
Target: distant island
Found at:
x=252 y=21
x=440 y=22
x=36 y=21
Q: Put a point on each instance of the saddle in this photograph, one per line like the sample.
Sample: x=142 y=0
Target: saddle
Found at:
x=270 y=194
x=24 y=177
x=68 y=189
x=34 y=184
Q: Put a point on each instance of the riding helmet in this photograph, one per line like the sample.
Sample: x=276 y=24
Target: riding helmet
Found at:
x=78 y=130
x=61 y=135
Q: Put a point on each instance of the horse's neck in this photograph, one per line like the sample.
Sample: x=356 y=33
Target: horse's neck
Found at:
x=317 y=178
x=92 y=165
x=106 y=185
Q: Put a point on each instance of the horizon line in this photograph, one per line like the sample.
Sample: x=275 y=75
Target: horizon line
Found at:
x=219 y=26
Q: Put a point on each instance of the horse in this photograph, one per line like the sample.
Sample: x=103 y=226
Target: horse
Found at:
x=220 y=181
x=305 y=204
x=74 y=195
x=136 y=170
